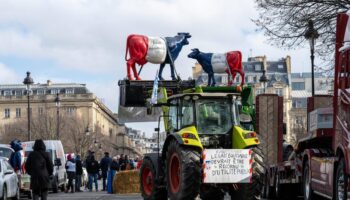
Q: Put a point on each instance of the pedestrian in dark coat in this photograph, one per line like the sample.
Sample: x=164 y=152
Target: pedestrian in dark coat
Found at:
x=105 y=163
x=122 y=163
x=40 y=168
x=78 y=173
x=92 y=167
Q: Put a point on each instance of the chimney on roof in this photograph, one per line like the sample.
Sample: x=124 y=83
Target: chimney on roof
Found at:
x=49 y=82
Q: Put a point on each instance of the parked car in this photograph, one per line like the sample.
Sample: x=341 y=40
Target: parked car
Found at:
x=6 y=151
x=58 y=158
x=8 y=181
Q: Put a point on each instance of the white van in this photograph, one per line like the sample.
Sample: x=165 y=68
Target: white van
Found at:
x=56 y=152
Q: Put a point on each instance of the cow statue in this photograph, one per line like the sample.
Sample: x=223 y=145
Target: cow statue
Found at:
x=230 y=62
x=156 y=50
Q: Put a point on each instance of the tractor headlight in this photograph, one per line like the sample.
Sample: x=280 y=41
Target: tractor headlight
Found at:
x=250 y=135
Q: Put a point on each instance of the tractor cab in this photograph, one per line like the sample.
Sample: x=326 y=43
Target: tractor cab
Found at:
x=210 y=114
x=210 y=120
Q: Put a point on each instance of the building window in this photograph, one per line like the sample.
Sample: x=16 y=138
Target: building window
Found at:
x=279 y=91
x=255 y=79
x=7 y=112
x=18 y=93
x=7 y=93
x=299 y=120
x=298 y=86
x=280 y=66
x=257 y=67
x=41 y=110
x=40 y=92
x=247 y=79
x=55 y=91
x=237 y=79
x=259 y=91
x=70 y=91
x=70 y=110
x=18 y=112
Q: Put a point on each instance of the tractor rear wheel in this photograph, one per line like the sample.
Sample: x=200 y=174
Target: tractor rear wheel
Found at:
x=252 y=191
x=183 y=172
x=150 y=189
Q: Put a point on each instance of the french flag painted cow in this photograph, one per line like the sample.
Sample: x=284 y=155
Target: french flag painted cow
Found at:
x=156 y=50
x=230 y=62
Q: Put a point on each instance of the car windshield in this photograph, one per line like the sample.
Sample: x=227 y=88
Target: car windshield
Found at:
x=5 y=152
x=214 y=116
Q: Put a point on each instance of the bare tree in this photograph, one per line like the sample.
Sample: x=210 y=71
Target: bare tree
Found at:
x=284 y=22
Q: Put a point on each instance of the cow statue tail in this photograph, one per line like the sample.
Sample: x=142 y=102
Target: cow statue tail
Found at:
x=127 y=48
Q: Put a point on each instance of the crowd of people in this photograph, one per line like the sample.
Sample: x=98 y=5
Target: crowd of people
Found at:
x=40 y=168
x=105 y=169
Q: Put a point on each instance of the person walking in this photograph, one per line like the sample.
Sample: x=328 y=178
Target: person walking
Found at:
x=105 y=163
x=70 y=168
x=92 y=167
x=113 y=169
x=122 y=164
x=78 y=173
x=40 y=168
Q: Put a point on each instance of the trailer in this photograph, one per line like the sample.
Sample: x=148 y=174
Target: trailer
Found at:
x=319 y=164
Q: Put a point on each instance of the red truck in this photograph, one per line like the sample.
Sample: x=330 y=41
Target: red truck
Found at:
x=319 y=165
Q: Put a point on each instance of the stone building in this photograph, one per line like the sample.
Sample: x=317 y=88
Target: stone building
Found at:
x=301 y=90
x=277 y=72
x=78 y=105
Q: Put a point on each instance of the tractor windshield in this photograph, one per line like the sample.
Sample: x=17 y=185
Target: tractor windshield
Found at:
x=214 y=116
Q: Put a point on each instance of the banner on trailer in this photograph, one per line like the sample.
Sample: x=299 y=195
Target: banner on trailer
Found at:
x=227 y=166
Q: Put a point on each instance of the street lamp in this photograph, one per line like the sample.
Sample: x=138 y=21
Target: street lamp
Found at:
x=58 y=104
x=28 y=81
x=311 y=34
x=263 y=79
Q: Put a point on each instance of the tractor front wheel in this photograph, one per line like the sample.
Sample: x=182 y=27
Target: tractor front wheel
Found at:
x=149 y=184
x=183 y=172
x=252 y=191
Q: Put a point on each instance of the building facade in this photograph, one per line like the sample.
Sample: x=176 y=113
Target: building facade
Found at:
x=78 y=108
x=277 y=72
x=301 y=86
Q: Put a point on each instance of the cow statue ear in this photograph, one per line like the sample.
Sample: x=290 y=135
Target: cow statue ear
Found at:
x=195 y=49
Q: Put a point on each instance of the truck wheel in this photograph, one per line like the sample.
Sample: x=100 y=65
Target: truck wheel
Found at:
x=341 y=181
x=183 y=172
x=252 y=191
x=208 y=192
x=4 y=193
x=149 y=185
x=308 y=193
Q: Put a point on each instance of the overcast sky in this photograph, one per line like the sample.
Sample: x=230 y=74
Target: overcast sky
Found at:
x=83 y=41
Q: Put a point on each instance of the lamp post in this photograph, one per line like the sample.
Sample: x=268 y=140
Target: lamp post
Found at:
x=58 y=104
x=28 y=81
x=263 y=79
x=311 y=34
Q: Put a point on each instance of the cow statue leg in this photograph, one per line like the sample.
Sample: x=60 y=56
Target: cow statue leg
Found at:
x=129 y=64
x=172 y=70
x=209 y=80
x=213 y=79
x=241 y=72
x=135 y=72
x=161 y=67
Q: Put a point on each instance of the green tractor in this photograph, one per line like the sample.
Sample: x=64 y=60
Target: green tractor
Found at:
x=197 y=120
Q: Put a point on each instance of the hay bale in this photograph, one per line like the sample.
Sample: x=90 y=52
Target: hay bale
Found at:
x=126 y=182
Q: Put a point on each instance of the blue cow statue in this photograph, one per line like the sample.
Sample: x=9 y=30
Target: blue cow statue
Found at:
x=230 y=62
x=156 y=50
